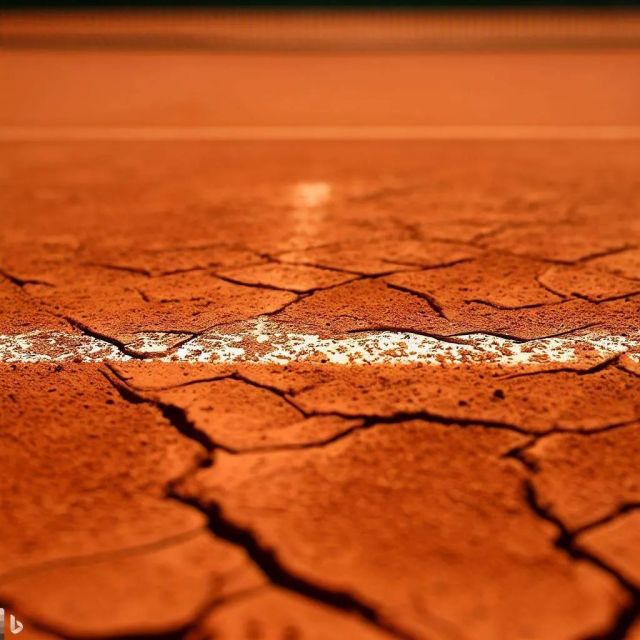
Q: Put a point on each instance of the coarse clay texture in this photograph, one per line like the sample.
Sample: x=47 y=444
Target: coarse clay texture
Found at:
x=318 y=390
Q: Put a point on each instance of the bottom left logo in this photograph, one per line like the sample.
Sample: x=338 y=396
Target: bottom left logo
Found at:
x=15 y=626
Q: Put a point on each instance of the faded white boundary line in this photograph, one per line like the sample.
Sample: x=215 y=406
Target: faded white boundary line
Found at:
x=355 y=133
x=262 y=341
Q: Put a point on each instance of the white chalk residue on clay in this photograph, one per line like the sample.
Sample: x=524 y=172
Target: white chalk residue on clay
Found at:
x=263 y=341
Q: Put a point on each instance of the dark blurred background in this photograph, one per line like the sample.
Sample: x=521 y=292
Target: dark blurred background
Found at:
x=319 y=63
x=329 y=4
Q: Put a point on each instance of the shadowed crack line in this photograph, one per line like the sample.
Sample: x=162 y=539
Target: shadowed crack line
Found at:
x=180 y=633
x=178 y=385
x=267 y=561
x=22 y=282
x=209 y=267
x=176 y=416
x=593 y=431
x=303 y=292
x=566 y=541
x=78 y=325
x=605 y=253
x=142 y=294
x=315 y=265
x=369 y=420
x=118 y=267
x=518 y=453
x=505 y=307
x=197 y=247
x=369 y=423
x=92 y=333
x=402 y=268
x=626 y=370
x=299 y=297
x=274 y=255
x=611 y=361
x=381 y=194
x=547 y=259
x=226 y=323
x=417 y=332
x=420 y=267
x=26 y=570
x=507 y=336
x=491 y=233
x=626 y=297
x=265 y=387
x=610 y=517
x=35 y=625
x=315 y=444
x=430 y=300
x=372 y=420
x=189 y=335
x=597 y=301
x=253 y=285
x=546 y=287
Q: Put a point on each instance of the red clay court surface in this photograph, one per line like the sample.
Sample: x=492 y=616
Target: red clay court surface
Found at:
x=320 y=344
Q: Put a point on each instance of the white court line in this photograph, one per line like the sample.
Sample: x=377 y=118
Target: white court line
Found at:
x=263 y=341
x=339 y=133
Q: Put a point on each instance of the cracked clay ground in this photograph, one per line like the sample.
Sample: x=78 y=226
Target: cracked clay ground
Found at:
x=282 y=390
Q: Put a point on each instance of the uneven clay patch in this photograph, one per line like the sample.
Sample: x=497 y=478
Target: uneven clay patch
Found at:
x=536 y=403
x=275 y=613
x=623 y=263
x=617 y=544
x=86 y=476
x=230 y=412
x=20 y=314
x=583 y=480
x=355 y=506
x=173 y=584
x=290 y=277
x=587 y=283
x=566 y=245
x=263 y=390
x=506 y=282
x=381 y=257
